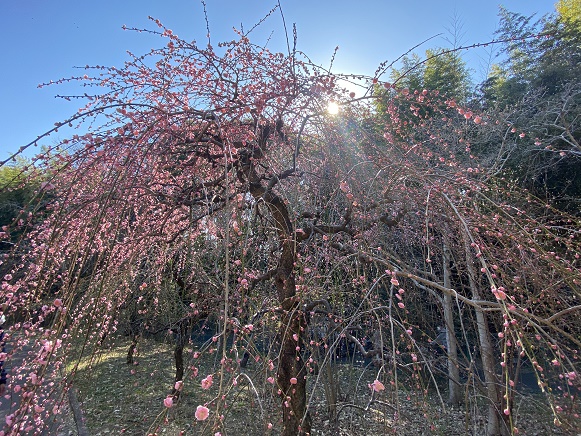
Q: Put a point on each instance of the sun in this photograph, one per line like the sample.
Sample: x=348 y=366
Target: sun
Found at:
x=333 y=108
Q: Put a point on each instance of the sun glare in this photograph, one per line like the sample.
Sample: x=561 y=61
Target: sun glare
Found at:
x=333 y=108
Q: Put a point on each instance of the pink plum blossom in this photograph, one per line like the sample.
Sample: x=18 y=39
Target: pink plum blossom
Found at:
x=207 y=382
x=202 y=413
x=377 y=386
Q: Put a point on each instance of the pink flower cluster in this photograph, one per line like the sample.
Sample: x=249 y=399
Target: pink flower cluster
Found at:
x=207 y=382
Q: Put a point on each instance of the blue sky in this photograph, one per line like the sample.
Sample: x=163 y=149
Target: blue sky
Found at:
x=43 y=40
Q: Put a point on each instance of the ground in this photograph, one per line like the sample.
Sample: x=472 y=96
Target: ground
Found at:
x=117 y=398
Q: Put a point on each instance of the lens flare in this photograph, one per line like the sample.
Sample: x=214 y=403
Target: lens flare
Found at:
x=333 y=108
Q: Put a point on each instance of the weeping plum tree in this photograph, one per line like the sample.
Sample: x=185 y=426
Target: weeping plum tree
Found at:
x=219 y=180
x=189 y=134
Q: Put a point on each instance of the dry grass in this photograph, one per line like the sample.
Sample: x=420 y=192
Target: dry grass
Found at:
x=117 y=398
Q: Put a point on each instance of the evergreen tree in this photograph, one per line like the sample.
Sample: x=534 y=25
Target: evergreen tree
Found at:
x=441 y=70
x=536 y=90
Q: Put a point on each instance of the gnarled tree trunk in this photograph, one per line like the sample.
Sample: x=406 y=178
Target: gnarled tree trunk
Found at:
x=291 y=376
x=292 y=373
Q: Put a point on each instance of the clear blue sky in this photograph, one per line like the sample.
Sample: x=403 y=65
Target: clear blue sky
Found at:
x=42 y=40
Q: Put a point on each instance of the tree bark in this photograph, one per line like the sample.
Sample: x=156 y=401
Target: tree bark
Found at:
x=331 y=394
x=455 y=393
x=291 y=375
x=495 y=424
x=181 y=340
x=178 y=354
x=131 y=350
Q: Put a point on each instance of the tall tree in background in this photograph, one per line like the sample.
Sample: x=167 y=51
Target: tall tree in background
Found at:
x=570 y=13
x=447 y=72
x=442 y=70
x=537 y=90
x=548 y=61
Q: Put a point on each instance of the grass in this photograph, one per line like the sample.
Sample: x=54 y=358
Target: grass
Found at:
x=117 y=398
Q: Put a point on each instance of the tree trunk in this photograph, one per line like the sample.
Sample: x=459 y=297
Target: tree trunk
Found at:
x=455 y=393
x=291 y=375
x=331 y=394
x=495 y=421
x=178 y=354
x=132 y=347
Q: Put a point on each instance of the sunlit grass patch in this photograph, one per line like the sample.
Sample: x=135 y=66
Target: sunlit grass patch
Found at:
x=119 y=397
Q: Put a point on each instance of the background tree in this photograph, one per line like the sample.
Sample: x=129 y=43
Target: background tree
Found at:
x=536 y=90
x=442 y=70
